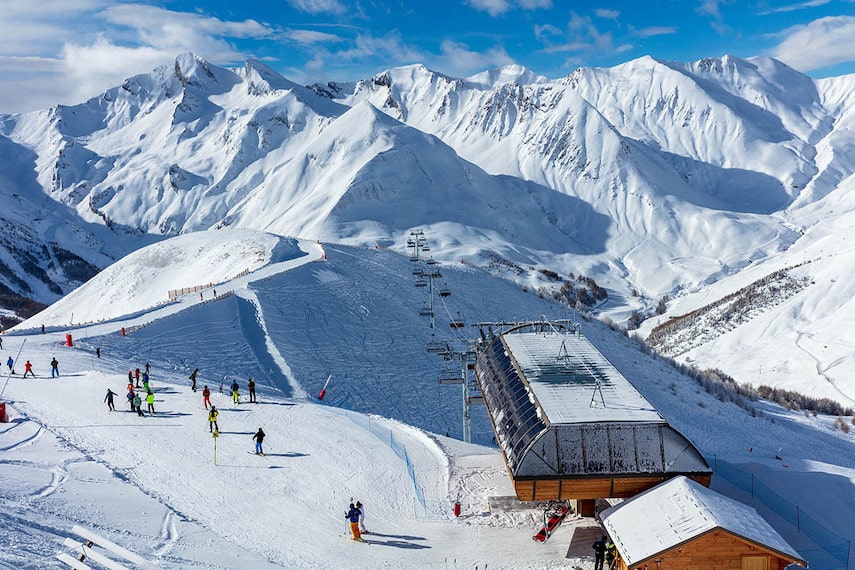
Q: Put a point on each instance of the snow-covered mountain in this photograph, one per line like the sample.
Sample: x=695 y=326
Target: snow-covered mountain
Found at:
x=653 y=178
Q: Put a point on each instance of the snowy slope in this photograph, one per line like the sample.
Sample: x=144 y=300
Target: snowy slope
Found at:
x=293 y=320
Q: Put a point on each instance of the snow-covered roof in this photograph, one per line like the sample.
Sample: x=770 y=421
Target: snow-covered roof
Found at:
x=574 y=383
x=560 y=409
x=679 y=510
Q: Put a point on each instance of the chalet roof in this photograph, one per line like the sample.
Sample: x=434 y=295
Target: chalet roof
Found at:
x=560 y=409
x=679 y=510
x=566 y=370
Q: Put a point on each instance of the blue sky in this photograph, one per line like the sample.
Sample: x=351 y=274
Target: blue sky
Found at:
x=64 y=51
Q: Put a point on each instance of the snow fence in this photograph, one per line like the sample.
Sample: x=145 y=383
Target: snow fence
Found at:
x=833 y=550
x=424 y=508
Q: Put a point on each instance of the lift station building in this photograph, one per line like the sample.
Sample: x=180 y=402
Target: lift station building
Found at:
x=570 y=425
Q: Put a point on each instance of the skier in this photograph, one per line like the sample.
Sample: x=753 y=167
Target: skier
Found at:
x=149 y=399
x=43 y=329
x=361 y=508
x=131 y=396
x=145 y=382
x=212 y=419
x=259 y=437
x=131 y=377
x=147 y=368
x=250 y=384
x=109 y=399
x=28 y=368
x=137 y=404
x=599 y=553
x=54 y=367
x=193 y=379
x=235 y=394
x=353 y=516
x=137 y=377
x=206 y=396
x=98 y=352
x=1 y=343
x=11 y=364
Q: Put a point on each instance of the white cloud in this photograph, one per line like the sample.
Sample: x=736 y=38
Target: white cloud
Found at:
x=66 y=51
x=607 y=14
x=546 y=31
x=655 y=31
x=710 y=8
x=794 y=7
x=459 y=61
x=492 y=7
x=319 y=6
x=498 y=7
x=311 y=37
x=821 y=43
x=535 y=4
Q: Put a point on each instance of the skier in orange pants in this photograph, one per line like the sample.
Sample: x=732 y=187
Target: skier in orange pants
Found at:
x=353 y=516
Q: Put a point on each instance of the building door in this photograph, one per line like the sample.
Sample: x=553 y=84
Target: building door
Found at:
x=755 y=563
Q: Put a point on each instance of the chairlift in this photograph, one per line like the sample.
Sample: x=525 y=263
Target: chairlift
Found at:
x=450 y=376
x=430 y=261
x=421 y=282
x=457 y=323
x=444 y=291
x=418 y=272
x=437 y=346
x=425 y=248
x=426 y=311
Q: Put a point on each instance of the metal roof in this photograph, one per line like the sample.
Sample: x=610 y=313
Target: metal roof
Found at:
x=680 y=510
x=560 y=409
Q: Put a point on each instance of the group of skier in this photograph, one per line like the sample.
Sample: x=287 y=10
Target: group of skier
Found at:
x=28 y=367
x=356 y=517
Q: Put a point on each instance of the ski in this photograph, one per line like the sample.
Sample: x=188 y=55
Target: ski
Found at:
x=551 y=523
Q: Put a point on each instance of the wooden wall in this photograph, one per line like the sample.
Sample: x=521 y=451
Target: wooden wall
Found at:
x=590 y=488
x=717 y=550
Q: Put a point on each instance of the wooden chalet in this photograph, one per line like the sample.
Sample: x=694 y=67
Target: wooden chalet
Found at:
x=570 y=426
x=681 y=525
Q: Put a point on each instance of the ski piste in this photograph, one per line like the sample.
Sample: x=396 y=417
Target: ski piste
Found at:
x=553 y=520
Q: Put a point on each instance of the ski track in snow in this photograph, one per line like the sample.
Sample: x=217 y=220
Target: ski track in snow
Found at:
x=819 y=368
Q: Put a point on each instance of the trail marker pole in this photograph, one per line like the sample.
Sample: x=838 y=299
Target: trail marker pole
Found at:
x=9 y=374
x=216 y=434
x=324 y=389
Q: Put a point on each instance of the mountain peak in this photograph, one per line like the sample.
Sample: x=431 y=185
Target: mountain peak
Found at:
x=513 y=73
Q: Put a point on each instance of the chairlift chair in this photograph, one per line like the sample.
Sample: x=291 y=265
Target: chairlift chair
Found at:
x=437 y=346
x=426 y=311
x=421 y=282
x=450 y=376
x=445 y=291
